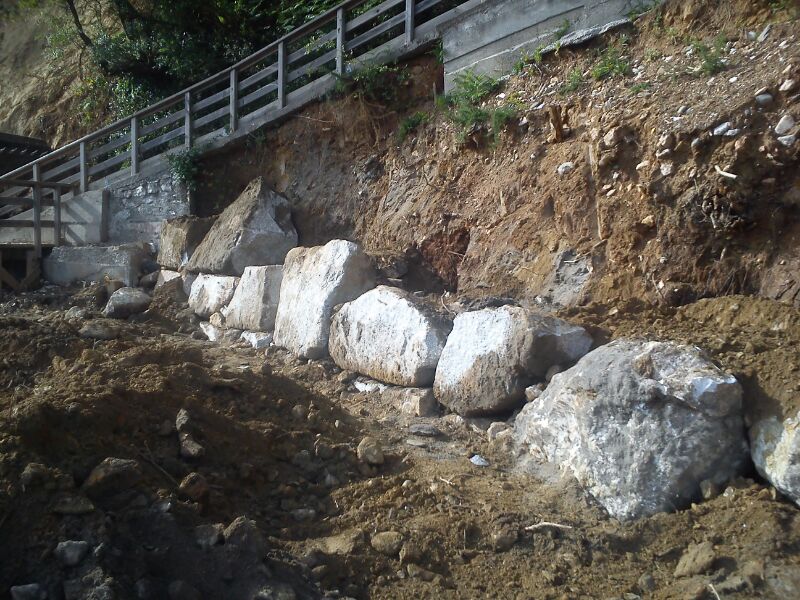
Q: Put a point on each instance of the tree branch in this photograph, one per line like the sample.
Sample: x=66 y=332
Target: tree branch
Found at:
x=78 y=26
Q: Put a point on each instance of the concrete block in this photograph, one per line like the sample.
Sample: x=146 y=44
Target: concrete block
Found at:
x=67 y=265
x=255 y=302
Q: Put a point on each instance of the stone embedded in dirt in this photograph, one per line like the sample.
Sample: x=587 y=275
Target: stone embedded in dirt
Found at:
x=698 y=559
x=71 y=553
x=479 y=461
x=387 y=542
x=416 y=402
x=209 y=535
x=244 y=534
x=640 y=425
x=787 y=140
x=775 y=448
x=495 y=429
x=210 y=293
x=416 y=572
x=165 y=276
x=565 y=168
x=390 y=335
x=217 y=320
x=180 y=237
x=788 y=86
x=255 y=302
x=257 y=339
x=31 y=591
x=424 y=430
x=190 y=448
x=369 y=451
x=764 y=99
x=492 y=355
x=76 y=313
x=195 y=487
x=255 y=230
x=112 y=476
x=98 y=330
x=785 y=125
x=126 y=302
x=315 y=280
x=212 y=333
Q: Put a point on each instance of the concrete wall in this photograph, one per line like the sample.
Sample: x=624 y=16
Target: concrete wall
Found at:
x=491 y=38
x=82 y=222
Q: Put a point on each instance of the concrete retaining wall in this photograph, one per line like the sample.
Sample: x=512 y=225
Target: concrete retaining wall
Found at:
x=492 y=37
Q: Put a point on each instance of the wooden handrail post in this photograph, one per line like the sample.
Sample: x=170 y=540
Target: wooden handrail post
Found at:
x=134 y=145
x=234 y=97
x=410 y=10
x=281 y=74
x=57 y=217
x=187 y=123
x=341 y=31
x=37 y=210
x=84 y=177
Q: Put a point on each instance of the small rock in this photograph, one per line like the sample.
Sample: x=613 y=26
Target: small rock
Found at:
x=646 y=583
x=126 y=302
x=97 y=330
x=387 y=542
x=71 y=553
x=424 y=430
x=614 y=137
x=788 y=86
x=209 y=535
x=764 y=99
x=190 y=448
x=32 y=591
x=533 y=392
x=649 y=221
x=183 y=421
x=785 y=125
x=667 y=141
x=417 y=572
x=180 y=590
x=112 y=476
x=698 y=559
x=217 y=320
x=75 y=313
x=479 y=461
x=709 y=489
x=723 y=128
x=495 y=429
x=244 y=533
x=667 y=168
x=195 y=487
x=257 y=339
x=765 y=34
x=565 y=168
x=369 y=451
x=788 y=140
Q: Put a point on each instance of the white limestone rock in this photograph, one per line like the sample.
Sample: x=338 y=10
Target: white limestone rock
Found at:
x=255 y=302
x=165 y=276
x=125 y=302
x=315 y=280
x=775 y=448
x=492 y=355
x=255 y=230
x=389 y=335
x=210 y=293
x=257 y=339
x=640 y=425
x=179 y=239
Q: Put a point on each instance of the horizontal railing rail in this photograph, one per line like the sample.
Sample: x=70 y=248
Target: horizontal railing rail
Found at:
x=268 y=85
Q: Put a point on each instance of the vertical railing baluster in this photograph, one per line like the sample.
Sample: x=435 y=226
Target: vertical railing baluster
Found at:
x=410 y=10
x=281 y=74
x=234 y=98
x=341 y=31
x=37 y=210
x=57 y=216
x=187 y=123
x=84 y=176
x=134 y=145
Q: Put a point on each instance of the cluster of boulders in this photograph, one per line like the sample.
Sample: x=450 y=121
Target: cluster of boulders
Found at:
x=642 y=425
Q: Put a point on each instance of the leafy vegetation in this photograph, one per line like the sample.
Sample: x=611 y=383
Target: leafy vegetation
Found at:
x=411 y=123
x=185 y=166
x=465 y=110
x=563 y=29
x=613 y=62
x=710 y=57
x=574 y=81
x=379 y=84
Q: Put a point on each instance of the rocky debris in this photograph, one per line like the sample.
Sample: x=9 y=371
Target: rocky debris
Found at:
x=416 y=402
x=165 y=276
x=92 y=585
x=387 y=542
x=369 y=451
x=424 y=430
x=210 y=293
x=112 y=476
x=244 y=534
x=775 y=448
x=389 y=335
x=566 y=168
x=698 y=559
x=99 y=330
x=785 y=125
x=190 y=448
x=195 y=487
x=180 y=237
x=126 y=302
x=149 y=281
x=255 y=230
x=495 y=429
x=76 y=313
x=315 y=280
x=257 y=339
x=492 y=355
x=71 y=553
x=184 y=423
x=479 y=461
x=31 y=591
x=209 y=535
x=255 y=303
x=640 y=425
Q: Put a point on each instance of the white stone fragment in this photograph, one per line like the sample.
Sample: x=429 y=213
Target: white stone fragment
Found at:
x=775 y=448
x=255 y=301
x=210 y=293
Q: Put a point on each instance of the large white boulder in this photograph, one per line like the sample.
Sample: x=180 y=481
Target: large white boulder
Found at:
x=775 y=448
x=315 y=280
x=639 y=425
x=389 y=335
x=492 y=355
x=255 y=230
x=255 y=302
x=210 y=293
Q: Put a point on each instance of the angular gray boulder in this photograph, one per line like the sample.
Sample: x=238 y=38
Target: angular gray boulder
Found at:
x=775 y=448
x=389 y=335
x=210 y=293
x=492 y=355
x=255 y=230
x=125 y=302
x=255 y=302
x=180 y=237
x=315 y=280
x=639 y=425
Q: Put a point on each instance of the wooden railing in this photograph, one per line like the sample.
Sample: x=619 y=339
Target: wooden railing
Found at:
x=266 y=86
x=39 y=190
